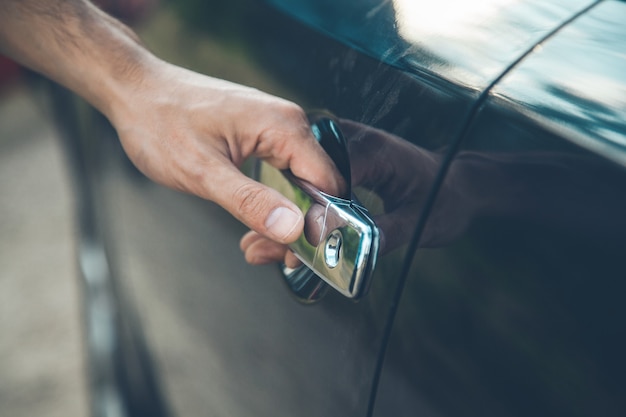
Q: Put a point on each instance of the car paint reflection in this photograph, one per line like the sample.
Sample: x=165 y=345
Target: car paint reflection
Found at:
x=470 y=50
x=575 y=83
x=574 y=192
x=522 y=313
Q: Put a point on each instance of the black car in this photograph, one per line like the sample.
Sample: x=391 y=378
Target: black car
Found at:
x=488 y=142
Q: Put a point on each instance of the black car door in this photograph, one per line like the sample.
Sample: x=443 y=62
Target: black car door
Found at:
x=225 y=338
x=519 y=311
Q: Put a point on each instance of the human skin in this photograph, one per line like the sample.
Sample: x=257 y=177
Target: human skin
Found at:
x=182 y=129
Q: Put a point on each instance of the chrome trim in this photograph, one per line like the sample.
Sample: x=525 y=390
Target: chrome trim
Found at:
x=327 y=216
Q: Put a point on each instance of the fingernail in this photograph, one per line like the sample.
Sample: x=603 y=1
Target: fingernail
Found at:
x=282 y=221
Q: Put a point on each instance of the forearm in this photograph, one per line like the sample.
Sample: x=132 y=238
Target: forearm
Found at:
x=75 y=44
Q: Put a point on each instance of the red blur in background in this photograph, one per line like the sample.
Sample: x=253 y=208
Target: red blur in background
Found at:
x=9 y=71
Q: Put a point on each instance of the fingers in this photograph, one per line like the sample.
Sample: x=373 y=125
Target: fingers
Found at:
x=194 y=135
x=259 y=207
x=288 y=143
x=279 y=134
x=291 y=260
x=259 y=250
x=314 y=224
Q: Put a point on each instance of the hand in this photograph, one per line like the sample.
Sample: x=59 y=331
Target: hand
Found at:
x=402 y=175
x=398 y=172
x=182 y=129
x=191 y=133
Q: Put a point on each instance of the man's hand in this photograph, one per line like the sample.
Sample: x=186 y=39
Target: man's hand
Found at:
x=191 y=132
x=182 y=129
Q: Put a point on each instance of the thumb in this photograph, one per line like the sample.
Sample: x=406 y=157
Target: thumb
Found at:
x=259 y=207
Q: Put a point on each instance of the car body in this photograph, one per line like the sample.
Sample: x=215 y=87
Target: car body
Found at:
x=503 y=293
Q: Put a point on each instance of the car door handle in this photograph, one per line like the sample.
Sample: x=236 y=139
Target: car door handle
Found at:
x=340 y=240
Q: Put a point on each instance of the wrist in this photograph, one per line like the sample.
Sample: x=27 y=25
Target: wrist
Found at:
x=115 y=66
x=113 y=88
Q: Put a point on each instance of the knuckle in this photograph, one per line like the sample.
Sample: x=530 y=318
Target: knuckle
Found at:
x=291 y=117
x=289 y=126
x=292 y=110
x=251 y=201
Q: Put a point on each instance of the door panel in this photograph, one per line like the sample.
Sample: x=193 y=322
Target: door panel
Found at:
x=520 y=312
x=227 y=338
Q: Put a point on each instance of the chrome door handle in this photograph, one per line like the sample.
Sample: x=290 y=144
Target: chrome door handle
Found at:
x=340 y=240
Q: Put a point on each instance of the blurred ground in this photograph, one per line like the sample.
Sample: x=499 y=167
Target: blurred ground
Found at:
x=41 y=357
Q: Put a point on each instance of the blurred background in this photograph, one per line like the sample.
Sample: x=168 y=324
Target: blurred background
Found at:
x=41 y=363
